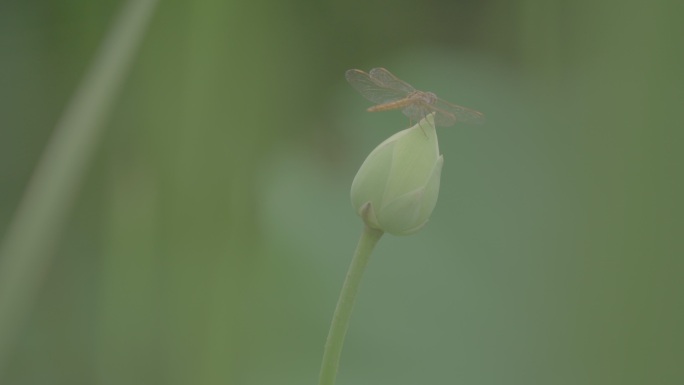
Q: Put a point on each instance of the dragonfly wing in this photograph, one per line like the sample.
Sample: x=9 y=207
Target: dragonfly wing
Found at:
x=388 y=80
x=371 y=89
x=444 y=118
x=456 y=113
x=415 y=112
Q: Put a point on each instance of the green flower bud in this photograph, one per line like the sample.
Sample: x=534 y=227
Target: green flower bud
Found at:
x=396 y=188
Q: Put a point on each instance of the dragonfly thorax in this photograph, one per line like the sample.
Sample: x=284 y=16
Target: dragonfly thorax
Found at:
x=424 y=97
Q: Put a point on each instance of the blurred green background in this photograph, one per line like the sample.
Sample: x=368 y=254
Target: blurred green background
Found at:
x=210 y=237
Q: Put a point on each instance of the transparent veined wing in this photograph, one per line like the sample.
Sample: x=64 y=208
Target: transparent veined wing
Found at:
x=415 y=112
x=388 y=80
x=456 y=113
x=371 y=89
x=446 y=114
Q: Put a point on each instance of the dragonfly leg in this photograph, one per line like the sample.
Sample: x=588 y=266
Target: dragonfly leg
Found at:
x=420 y=122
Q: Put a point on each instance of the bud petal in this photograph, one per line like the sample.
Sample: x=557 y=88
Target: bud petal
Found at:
x=396 y=188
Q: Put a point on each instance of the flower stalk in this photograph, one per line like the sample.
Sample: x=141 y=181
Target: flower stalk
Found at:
x=350 y=288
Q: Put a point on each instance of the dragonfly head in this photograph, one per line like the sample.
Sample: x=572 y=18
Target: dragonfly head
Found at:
x=430 y=97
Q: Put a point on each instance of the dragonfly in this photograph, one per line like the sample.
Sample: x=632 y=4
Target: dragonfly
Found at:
x=391 y=93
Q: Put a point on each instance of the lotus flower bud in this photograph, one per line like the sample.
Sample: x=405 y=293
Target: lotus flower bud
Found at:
x=396 y=188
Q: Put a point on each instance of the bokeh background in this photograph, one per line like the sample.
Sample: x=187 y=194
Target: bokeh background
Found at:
x=209 y=240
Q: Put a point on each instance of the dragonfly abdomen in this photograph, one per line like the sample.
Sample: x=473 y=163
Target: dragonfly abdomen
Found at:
x=414 y=98
x=395 y=105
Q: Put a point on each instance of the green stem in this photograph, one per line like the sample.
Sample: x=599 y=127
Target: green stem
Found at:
x=345 y=304
x=28 y=245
